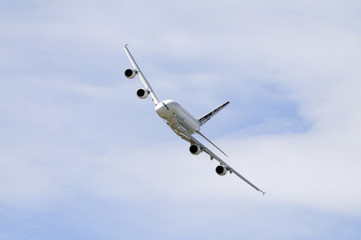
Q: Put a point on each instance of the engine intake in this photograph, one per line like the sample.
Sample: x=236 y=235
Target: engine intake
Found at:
x=130 y=73
x=195 y=149
x=142 y=93
x=221 y=170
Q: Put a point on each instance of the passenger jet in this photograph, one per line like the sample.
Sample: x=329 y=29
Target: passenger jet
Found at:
x=181 y=121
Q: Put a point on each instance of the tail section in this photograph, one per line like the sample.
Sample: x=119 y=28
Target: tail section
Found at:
x=209 y=115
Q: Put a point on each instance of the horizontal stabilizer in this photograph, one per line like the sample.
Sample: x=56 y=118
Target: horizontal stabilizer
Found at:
x=209 y=115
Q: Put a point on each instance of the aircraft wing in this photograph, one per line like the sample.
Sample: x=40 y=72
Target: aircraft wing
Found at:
x=141 y=76
x=180 y=131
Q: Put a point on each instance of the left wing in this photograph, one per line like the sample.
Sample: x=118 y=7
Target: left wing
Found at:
x=180 y=131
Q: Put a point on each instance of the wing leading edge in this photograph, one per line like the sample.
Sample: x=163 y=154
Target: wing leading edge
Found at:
x=186 y=136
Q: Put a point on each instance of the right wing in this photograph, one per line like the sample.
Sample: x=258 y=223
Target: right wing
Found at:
x=180 y=131
x=141 y=76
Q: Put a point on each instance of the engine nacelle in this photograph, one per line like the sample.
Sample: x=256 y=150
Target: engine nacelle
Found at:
x=195 y=149
x=130 y=73
x=221 y=170
x=142 y=93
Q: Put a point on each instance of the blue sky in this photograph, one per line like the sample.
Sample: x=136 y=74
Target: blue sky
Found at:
x=81 y=157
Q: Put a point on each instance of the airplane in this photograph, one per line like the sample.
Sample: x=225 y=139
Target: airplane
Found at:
x=181 y=121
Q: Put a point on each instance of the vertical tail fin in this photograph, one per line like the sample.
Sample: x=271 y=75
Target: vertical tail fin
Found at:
x=209 y=115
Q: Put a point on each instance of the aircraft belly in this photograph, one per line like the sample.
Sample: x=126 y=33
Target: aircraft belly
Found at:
x=173 y=113
x=186 y=121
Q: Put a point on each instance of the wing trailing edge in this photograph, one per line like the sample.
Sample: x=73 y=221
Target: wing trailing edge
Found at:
x=211 y=143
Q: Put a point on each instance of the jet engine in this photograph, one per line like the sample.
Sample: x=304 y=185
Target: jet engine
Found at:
x=141 y=93
x=195 y=149
x=130 y=73
x=221 y=170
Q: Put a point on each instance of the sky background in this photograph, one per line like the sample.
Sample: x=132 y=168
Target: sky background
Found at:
x=81 y=157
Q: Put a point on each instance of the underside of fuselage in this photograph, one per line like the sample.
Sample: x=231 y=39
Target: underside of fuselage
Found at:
x=174 y=114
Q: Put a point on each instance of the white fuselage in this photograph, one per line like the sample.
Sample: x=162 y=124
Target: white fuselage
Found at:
x=173 y=113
